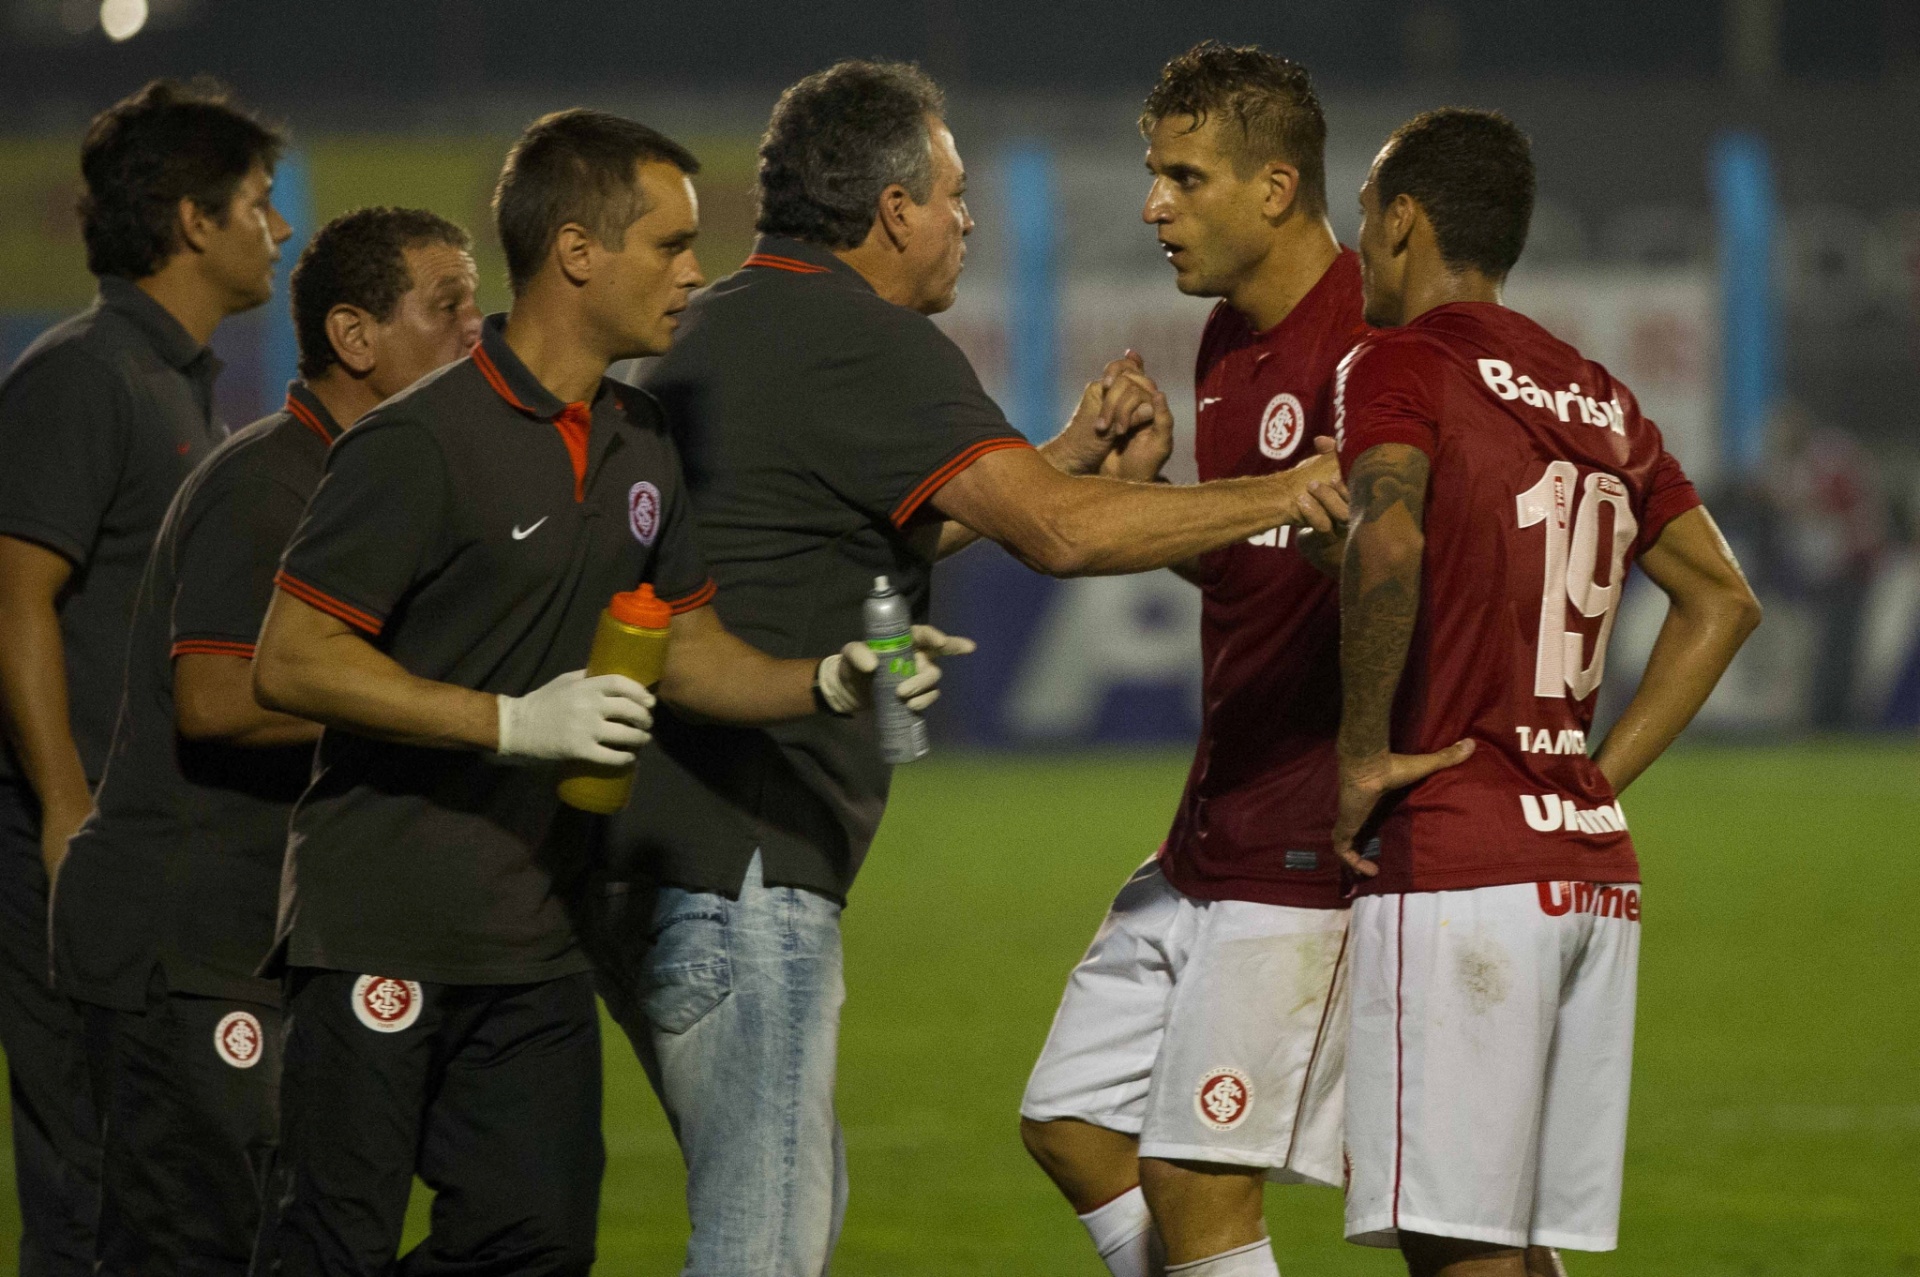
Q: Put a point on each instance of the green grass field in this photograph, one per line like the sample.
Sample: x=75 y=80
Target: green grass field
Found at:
x=1776 y=1118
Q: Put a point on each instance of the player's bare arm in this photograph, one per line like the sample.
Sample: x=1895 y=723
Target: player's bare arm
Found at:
x=1379 y=604
x=1711 y=611
x=213 y=700
x=313 y=665
x=1121 y=428
x=33 y=690
x=1090 y=525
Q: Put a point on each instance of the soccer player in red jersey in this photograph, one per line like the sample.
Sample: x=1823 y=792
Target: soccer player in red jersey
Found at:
x=1197 y=1051
x=1502 y=486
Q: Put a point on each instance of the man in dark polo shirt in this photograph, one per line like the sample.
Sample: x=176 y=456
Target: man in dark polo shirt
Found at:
x=434 y=610
x=166 y=901
x=100 y=421
x=833 y=434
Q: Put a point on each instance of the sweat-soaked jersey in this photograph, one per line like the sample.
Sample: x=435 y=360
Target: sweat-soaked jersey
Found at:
x=1545 y=484
x=1256 y=820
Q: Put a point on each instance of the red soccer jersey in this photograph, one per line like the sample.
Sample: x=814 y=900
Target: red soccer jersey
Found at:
x=1256 y=820
x=1546 y=483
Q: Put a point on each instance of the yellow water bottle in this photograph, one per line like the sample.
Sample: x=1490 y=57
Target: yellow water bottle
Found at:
x=631 y=640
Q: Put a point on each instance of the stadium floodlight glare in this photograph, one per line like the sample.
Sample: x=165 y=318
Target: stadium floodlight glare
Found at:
x=122 y=19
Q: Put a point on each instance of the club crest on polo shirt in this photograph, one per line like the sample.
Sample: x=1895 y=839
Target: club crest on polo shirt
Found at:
x=643 y=511
x=1282 y=426
x=1224 y=1098
x=386 y=1005
x=237 y=1039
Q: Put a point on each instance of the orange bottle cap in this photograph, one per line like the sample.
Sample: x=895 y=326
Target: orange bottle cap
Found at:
x=641 y=609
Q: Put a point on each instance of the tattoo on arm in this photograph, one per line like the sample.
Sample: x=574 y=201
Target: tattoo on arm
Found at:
x=1380 y=589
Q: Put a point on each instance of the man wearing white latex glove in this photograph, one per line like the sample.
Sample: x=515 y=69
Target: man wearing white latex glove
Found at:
x=846 y=677
x=575 y=718
x=431 y=612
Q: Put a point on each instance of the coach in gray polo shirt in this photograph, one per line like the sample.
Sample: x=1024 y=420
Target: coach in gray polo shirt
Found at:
x=831 y=434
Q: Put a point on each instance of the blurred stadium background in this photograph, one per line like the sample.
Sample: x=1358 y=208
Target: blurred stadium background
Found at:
x=1729 y=218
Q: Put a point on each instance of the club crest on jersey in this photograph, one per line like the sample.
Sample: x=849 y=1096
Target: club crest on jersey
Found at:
x=386 y=1005
x=643 y=511
x=237 y=1039
x=1224 y=1098
x=1282 y=426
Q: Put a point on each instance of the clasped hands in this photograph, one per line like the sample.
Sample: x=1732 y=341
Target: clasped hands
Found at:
x=1123 y=429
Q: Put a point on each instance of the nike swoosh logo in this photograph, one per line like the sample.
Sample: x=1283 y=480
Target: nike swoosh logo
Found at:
x=1205 y=402
x=521 y=534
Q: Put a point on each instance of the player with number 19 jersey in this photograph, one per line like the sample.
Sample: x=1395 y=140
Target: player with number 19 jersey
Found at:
x=1545 y=483
x=1496 y=952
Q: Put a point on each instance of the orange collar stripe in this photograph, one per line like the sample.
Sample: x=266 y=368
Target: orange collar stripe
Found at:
x=791 y=264
x=485 y=364
x=305 y=417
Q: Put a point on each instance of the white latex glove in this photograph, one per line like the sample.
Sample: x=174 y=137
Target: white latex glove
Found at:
x=846 y=677
x=578 y=719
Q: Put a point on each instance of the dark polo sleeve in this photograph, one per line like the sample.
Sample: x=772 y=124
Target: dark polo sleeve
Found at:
x=63 y=437
x=373 y=526
x=913 y=416
x=232 y=535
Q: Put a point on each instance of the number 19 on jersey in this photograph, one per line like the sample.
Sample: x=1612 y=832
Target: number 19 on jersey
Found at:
x=1575 y=532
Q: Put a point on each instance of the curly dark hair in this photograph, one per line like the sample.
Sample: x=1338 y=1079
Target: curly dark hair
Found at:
x=144 y=154
x=359 y=259
x=1472 y=171
x=575 y=166
x=836 y=140
x=1269 y=99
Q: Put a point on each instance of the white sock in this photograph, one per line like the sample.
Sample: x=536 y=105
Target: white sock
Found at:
x=1122 y=1232
x=1255 y=1259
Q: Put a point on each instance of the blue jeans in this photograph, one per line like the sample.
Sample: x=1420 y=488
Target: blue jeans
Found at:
x=733 y=1007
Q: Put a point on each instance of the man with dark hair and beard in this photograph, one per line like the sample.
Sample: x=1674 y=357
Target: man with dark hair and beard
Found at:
x=834 y=434
x=100 y=421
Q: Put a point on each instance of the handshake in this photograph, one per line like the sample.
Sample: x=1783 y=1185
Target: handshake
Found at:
x=1123 y=429
x=604 y=719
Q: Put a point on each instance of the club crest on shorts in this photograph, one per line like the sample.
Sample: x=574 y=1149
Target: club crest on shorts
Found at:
x=1282 y=426
x=643 y=511
x=386 y=1005
x=1224 y=1098
x=237 y=1039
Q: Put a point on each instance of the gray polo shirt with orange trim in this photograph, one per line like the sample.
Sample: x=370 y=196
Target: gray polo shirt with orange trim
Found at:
x=179 y=864
x=100 y=422
x=472 y=527
x=816 y=419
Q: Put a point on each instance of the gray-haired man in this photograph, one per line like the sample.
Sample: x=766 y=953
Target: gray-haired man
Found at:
x=833 y=434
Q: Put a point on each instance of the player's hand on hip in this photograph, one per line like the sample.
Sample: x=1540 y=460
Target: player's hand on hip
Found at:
x=574 y=718
x=1365 y=781
x=846 y=677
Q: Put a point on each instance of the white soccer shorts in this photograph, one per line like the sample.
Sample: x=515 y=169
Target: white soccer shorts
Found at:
x=1489 y=1063
x=1213 y=1030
